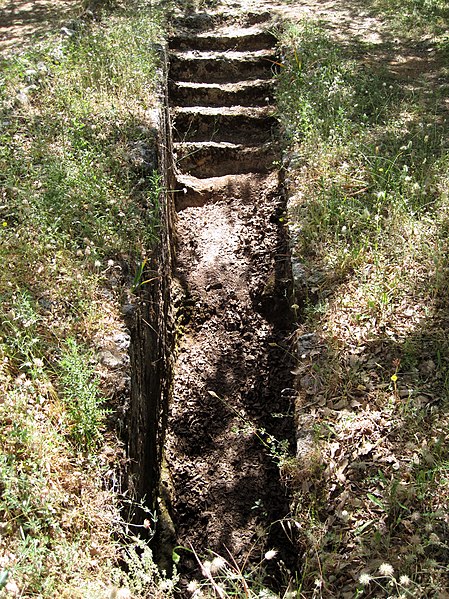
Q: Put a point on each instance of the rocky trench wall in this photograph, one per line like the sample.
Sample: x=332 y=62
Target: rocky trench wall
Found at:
x=152 y=327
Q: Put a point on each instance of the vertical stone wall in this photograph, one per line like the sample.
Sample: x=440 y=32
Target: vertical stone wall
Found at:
x=152 y=327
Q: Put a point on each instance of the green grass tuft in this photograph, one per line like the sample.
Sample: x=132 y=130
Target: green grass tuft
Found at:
x=81 y=395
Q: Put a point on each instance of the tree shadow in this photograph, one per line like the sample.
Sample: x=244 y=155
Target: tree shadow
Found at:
x=235 y=420
x=22 y=21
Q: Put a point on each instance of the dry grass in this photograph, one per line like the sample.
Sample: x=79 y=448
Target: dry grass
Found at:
x=368 y=175
x=78 y=215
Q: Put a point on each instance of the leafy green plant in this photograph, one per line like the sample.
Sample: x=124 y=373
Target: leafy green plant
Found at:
x=143 y=577
x=81 y=395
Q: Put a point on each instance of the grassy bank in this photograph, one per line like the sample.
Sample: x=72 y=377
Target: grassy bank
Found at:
x=414 y=19
x=78 y=216
x=368 y=175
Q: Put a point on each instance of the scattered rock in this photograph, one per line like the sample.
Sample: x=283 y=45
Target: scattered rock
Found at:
x=109 y=360
x=22 y=98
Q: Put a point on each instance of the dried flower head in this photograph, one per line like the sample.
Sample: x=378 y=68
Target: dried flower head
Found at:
x=12 y=589
x=386 y=569
x=364 y=579
x=218 y=563
x=193 y=586
x=404 y=580
x=271 y=554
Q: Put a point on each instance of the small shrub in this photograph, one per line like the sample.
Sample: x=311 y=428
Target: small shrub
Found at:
x=81 y=395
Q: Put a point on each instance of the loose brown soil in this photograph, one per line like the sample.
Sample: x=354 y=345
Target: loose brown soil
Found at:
x=221 y=470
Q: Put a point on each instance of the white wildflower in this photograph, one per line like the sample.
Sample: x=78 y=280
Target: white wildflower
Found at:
x=271 y=554
x=386 y=569
x=364 y=579
x=193 y=586
x=404 y=580
x=206 y=568
x=267 y=594
x=218 y=563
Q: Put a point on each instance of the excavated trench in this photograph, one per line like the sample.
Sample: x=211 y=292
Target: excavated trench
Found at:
x=231 y=384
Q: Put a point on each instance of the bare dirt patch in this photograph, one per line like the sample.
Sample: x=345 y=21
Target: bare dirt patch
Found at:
x=227 y=485
x=21 y=22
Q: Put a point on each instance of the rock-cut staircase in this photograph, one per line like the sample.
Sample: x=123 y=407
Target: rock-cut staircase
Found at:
x=221 y=92
x=230 y=376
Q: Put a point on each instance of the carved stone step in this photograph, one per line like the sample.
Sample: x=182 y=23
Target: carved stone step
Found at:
x=243 y=93
x=204 y=21
x=233 y=124
x=194 y=192
x=222 y=67
x=240 y=40
x=209 y=159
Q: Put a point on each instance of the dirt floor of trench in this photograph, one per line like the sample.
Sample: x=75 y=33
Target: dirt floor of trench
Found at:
x=233 y=371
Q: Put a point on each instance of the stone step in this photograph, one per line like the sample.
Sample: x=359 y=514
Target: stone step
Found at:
x=192 y=192
x=212 y=159
x=206 y=21
x=235 y=124
x=243 y=93
x=222 y=67
x=238 y=40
